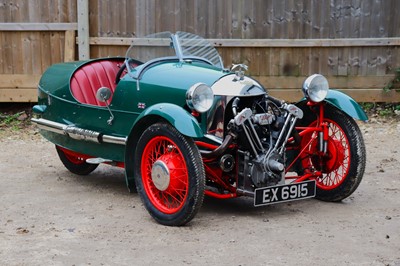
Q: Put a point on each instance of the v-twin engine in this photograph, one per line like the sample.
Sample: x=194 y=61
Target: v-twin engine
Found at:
x=262 y=132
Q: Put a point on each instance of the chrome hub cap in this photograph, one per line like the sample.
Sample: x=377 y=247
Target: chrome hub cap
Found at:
x=160 y=175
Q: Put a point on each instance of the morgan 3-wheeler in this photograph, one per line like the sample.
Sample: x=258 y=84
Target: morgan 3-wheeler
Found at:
x=182 y=126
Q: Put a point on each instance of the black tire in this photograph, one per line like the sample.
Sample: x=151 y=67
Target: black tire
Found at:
x=345 y=142
x=74 y=164
x=174 y=196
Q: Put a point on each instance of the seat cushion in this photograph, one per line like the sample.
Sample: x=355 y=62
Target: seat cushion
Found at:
x=90 y=77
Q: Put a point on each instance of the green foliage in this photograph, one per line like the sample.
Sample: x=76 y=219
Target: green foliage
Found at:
x=10 y=120
x=368 y=106
x=384 y=110
x=396 y=79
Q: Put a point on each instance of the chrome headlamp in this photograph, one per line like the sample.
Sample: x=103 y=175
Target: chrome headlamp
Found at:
x=200 y=97
x=315 y=88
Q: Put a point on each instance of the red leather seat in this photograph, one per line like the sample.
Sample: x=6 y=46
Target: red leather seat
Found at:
x=89 y=78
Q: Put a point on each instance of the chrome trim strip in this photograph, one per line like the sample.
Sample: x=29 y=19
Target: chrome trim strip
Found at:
x=50 y=125
x=113 y=140
x=77 y=133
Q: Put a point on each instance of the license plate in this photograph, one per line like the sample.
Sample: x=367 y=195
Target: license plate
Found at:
x=283 y=193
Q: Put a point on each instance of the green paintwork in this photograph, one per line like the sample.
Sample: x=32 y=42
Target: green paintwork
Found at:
x=347 y=104
x=55 y=80
x=39 y=109
x=182 y=120
x=162 y=89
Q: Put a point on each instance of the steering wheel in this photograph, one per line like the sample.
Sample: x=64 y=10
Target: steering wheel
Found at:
x=132 y=62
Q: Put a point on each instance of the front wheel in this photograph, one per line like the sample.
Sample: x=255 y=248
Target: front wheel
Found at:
x=343 y=165
x=169 y=175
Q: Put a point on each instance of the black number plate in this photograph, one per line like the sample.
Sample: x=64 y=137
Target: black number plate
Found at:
x=282 y=193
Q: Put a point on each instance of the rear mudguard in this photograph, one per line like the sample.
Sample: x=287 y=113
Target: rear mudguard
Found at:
x=182 y=120
x=344 y=103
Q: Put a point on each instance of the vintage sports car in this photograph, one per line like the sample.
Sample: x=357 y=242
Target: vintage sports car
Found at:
x=182 y=126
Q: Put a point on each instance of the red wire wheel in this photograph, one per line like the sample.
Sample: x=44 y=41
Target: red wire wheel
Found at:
x=335 y=164
x=343 y=164
x=75 y=162
x=164 y=175
x=169 y=174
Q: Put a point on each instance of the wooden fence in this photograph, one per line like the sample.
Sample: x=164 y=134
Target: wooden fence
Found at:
x=355 y=43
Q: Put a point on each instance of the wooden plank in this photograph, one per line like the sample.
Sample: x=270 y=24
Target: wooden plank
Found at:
x=130 y=21
x=19 y=80
x=18 y=95
x=140 y=22
x=275 y=63
x=373 y=95
x=190 y=14
x=113 y=8
x=365 y=32
x=248 y=20
x=94 y=18
x=211 y=20
x=62 y=11
x=48 y=41
x=83 y=29
x=36 y=56
x=2 y=52
x=150 y=15
x=278 y=7
x=26 y=52
x=128 y=41
x=7 y=53
x=236 y=27
x=382 y=62
x=38 y=26
x=395 y=20
x=69 y=46
x=123 y=14
x=17 y=59
x=226 y=25
x=278 y=43
x=34 y=10
x=305 y=26
x=99 y=19
x=360 y=82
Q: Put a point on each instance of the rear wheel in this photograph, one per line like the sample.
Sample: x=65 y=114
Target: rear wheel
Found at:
x=343 y=165
x=169 y=175
x=74 y=163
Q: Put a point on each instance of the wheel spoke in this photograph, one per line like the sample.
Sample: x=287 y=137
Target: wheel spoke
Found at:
x=172 y=198
x=335 y=164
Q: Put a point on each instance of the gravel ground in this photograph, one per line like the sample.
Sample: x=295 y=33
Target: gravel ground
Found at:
x=49 y=216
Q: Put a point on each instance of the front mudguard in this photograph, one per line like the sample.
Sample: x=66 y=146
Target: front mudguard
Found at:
x=178 y=117
x=344 y=103
x=182 y=120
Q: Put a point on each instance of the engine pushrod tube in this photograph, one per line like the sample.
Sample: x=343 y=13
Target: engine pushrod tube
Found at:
x=257 y=139
x=249 y=139
x=293 y=122
x=283 y=131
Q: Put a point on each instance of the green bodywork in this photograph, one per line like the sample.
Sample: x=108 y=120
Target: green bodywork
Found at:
x=346 y=104
x=157 y=93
